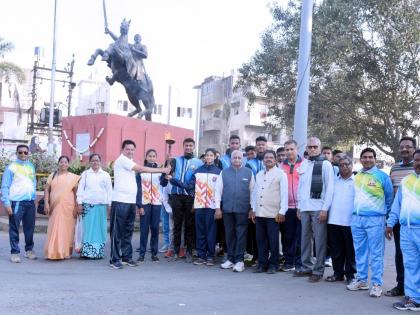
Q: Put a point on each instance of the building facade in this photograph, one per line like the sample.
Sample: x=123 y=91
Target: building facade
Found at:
x=96 y=96
x=225 y=111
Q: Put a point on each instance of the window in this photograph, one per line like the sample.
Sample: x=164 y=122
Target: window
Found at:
x=235 y=107
x=91 y=111
x=123 y=106
x=184 y=112
x=157 y=110
x=100 y=107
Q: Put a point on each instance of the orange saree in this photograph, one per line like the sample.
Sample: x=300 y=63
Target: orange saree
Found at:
x=60 y=234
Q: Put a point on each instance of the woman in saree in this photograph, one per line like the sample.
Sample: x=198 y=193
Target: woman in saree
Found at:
x=60 y=206
x=94 y=196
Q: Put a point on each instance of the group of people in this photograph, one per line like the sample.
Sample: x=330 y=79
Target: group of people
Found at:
x=241 y=203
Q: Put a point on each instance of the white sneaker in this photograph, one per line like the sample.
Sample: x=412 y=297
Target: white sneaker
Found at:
x=227 y=265
x=248 y=257
x=239 y=266
x=376 y=291
x=15 y=258
x=328 y=262
x=30 y=255
x=357 y=285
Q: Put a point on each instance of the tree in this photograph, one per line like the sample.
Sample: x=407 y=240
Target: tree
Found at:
x=365 y=69
x=9 y=69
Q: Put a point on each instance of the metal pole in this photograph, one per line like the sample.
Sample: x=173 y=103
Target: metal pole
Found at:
x=53 y=65
x=31 y=129
x=197 y=122
x=300 y=132
x=169 y=105
x=71 y=87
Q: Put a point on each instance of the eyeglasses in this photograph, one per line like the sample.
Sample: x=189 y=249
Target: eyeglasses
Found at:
x=23 y=152
x=406 y=147
x=344 y=165
x=313 y=147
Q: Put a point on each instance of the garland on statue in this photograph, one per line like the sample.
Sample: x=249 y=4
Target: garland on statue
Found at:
x=90 y=145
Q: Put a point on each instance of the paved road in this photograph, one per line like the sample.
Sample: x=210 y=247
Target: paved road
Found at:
x=91 y=287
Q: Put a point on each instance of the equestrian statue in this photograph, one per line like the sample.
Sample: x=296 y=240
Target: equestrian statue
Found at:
x=126 y=62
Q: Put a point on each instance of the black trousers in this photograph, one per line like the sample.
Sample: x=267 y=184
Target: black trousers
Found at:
x=121 y=230
x=292 y=238
x=268 y=242
x=182 y=212
x=282 y=229
x=342 y=251
x=220 y=234
x=251 y=240
x=398 y=257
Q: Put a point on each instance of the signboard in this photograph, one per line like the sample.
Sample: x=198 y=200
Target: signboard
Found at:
x=82 y=142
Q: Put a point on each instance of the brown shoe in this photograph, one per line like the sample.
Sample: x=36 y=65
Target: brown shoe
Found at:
x=302 y=273
x=314 y=278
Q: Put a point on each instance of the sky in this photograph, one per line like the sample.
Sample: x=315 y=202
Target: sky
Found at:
x=187 y=40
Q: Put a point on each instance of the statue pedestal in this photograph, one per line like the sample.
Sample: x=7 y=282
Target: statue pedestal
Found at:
x=81 y=131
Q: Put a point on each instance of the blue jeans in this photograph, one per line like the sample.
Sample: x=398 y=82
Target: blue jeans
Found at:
x=410 y=247
x=267 y=242
x=22 y=211
x=164 y=216
x=205 y=227
x=149 y=221
x=369 y=242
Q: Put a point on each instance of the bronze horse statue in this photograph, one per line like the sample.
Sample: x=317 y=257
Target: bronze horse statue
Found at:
x=121 y=61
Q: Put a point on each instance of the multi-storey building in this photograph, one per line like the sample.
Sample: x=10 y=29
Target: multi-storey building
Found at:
x=225 y=112
x=95 y=96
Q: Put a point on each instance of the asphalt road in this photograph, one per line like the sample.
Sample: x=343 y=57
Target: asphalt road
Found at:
x=91 y=287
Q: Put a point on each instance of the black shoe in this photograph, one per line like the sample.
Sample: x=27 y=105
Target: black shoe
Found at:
x=130 y=263
x=395 y=292
x=155 y=258
x=315 y=278
x=189 y=258
x=271 y=270
x=175 y=257
x=334 y=278
x=259 y=269
x=302 y=273
x=140 y=259
x=282 y=260
x=116 y=265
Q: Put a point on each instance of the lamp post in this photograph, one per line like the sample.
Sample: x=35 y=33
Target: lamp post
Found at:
x=300 y=130
x=51 y=109
x=197 y=120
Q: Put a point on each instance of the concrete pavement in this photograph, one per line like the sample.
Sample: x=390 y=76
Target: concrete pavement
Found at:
x=91 y=287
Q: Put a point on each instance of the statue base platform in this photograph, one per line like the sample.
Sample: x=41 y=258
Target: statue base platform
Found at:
x=104 y=133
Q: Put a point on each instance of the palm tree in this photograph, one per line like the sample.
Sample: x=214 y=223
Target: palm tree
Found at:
x=9 y=69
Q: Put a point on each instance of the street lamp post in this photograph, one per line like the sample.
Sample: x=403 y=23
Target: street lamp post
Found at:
x=53 y=68
x=300 y=131
x=197 y=119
